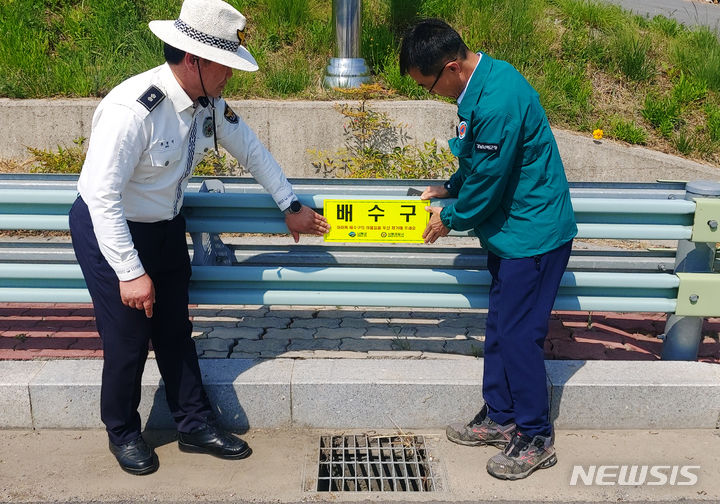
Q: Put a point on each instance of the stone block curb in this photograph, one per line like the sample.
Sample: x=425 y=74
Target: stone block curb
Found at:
x=371 y=393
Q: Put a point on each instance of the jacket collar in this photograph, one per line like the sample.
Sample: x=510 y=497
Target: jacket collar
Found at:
x=475 y=86
x=177 y=95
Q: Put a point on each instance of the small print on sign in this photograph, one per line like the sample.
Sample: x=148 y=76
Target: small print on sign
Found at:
x=390 y=221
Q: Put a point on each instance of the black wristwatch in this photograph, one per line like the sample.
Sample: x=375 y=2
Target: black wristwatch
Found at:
x=294 y=207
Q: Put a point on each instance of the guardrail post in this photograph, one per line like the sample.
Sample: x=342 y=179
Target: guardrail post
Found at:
x=208 y=248
x=347 y=69
x=683 y=334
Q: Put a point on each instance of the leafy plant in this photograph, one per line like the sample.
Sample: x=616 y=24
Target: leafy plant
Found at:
x=375 y=147
x=68 y=160
x=213 y=165
x=477 y=351
x=402 y=344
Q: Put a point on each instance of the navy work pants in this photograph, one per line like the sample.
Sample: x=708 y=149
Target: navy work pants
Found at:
x=522 y=294
x=126 y=332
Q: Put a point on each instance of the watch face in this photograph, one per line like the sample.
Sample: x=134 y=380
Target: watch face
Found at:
x=295 y=206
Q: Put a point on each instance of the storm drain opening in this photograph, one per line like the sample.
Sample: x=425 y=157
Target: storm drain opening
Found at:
x=364 y=463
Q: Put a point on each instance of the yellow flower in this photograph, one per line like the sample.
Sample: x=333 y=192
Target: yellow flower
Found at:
x=597 y=134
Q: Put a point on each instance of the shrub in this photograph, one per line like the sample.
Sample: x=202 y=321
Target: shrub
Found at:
x=213 y=165
x=375 y=147
x=68 y=160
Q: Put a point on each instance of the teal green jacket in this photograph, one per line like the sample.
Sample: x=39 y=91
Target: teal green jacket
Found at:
x=510 y=186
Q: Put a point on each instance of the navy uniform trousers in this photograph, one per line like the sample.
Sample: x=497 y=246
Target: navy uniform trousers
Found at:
x=125 y=331
x=522 y=294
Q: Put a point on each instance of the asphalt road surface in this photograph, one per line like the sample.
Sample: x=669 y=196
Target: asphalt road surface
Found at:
x=687 y=12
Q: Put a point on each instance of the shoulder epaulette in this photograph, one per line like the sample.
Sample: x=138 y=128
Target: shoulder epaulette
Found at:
x=151 y=98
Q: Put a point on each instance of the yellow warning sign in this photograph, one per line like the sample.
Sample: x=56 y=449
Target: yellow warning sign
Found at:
x=398 y=221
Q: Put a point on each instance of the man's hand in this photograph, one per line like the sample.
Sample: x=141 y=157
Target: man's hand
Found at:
x=139 y=293
x=434 y=191
x=306 y=221
x=435 y=228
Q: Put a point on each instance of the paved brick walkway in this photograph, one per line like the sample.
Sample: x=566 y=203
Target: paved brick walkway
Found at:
x=51 y=331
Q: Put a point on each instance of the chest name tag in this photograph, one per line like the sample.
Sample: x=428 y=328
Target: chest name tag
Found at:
x=486 y=147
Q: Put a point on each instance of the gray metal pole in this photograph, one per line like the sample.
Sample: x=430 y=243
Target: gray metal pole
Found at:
x=347 y=69
x=683 y=334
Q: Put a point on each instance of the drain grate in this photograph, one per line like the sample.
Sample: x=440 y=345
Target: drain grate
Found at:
x=362 y=463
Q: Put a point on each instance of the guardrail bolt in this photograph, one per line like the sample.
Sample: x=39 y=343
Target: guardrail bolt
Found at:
x=694 y=298
x=713 y=224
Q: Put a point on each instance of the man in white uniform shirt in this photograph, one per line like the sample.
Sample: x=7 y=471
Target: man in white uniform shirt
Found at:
x=129 y=237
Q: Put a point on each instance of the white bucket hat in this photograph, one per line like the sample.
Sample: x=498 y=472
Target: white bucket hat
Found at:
x=210 y=29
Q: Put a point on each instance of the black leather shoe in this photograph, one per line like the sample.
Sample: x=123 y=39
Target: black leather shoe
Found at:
x=213 y=441
x=136 y=457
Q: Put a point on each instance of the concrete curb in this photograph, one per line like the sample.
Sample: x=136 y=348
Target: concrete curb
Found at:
x=376 y=393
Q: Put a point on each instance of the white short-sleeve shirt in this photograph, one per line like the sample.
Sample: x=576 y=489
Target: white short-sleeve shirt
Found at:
x=147 y=137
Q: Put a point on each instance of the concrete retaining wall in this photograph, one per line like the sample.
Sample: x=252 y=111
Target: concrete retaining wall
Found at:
x=291 y=128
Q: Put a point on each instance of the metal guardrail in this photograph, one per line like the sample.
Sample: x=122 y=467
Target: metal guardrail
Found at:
x=343 y=286
x=245 y=208
x=382 y=275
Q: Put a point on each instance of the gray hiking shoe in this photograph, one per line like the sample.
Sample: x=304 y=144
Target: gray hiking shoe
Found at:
x=522 y=456
x=480 y=431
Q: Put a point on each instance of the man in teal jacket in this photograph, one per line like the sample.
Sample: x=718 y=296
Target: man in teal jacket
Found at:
x=512 y=191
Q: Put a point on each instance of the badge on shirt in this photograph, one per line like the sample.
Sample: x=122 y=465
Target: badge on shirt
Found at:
x=151 y=98
x=462 y=130
x=230 y=115
x=208 y=127
x=486 y=147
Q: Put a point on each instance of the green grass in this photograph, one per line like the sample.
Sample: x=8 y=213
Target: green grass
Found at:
x=663 y=113
x=647 y=81
x=687 y=90
x=697 y=53
x=288 y=77
x=627 y=131
x=632 y=58
x=683 y=142
x=713 y=122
